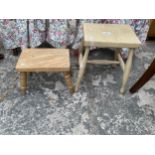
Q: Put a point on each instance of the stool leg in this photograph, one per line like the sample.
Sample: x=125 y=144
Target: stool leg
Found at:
x=69 y=81
x=115 y=57
x=127 y=71
x=82 y=68
x=23 y=82
x=144 y=78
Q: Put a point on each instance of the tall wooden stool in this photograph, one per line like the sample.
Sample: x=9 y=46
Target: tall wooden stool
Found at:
x=44 y=60
x=108 y=35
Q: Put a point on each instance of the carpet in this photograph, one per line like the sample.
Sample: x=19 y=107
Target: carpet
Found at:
x=96 y=109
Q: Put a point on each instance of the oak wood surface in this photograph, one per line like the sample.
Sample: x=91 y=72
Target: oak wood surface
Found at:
x=44 y=60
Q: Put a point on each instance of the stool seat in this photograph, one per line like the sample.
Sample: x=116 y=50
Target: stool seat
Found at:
x=44 y=60
x=110 y=35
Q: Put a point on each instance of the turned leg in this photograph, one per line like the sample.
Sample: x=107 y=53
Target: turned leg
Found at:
x=127 y=71
x=69 y=81
x=82 y=68
x=23 y=82
x=145 y=78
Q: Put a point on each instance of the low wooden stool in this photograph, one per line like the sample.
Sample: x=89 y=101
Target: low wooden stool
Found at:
x=44 y=60
x=105 y=36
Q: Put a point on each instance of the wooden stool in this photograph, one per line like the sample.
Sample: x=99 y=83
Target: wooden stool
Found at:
x=44 y=60
x=108 y=35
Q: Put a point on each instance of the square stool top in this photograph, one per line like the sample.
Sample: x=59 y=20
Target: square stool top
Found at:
x=44 y=60
x=110 y=35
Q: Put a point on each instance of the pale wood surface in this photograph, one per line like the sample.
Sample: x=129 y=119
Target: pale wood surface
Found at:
x=82 y=68
x=44 y=60
x=127 y=71
x=105 y=62
x=80 y=58
x=110 y=35
x=122 y=64
x=115 y=57
x=23 y=82
x=68 y=80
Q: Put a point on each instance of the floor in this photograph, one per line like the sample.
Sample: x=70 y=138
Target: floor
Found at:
x=97 y=108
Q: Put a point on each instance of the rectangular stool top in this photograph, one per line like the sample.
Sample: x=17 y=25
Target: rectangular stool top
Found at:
x=44 y=60
x=110 y=35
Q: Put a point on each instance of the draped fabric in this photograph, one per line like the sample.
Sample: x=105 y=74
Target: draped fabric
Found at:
x=36 y=30
x=57 y=32
x=9 y=33
x=61 y=32
x=14 y=33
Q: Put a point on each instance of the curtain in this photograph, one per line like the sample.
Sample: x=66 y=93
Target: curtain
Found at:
x=60 y=33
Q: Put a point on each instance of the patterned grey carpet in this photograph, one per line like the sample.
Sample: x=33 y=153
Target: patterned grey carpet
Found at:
x=97 y=108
